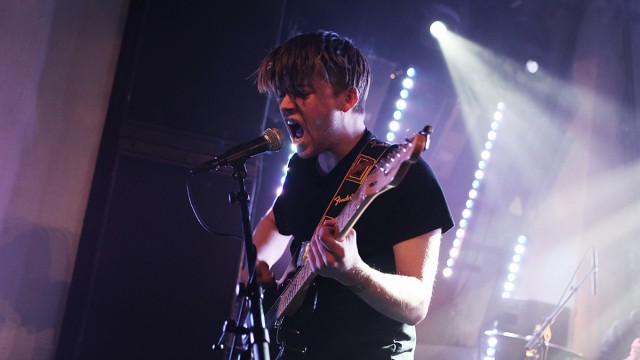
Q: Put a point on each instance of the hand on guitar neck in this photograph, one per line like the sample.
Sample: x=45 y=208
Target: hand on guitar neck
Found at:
x=335 y=257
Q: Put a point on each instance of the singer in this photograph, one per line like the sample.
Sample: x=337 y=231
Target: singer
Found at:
x=374 y=284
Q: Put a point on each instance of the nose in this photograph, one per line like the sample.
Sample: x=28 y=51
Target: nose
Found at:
x=286 y=102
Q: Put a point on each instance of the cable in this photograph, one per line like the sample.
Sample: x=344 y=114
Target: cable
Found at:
x=199 y=218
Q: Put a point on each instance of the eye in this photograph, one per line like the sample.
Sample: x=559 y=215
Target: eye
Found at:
x=304 y=92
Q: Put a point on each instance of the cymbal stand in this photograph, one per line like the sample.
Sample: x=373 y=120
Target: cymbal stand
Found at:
x=538 y=346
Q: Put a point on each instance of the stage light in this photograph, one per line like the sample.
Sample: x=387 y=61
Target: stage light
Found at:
x=492 y=135
x=492 y=342
x=394 y=126
x=397 y=114
x=404 y=93
x=407 y=83
x=438 y=29
x=401 y=104
x=485 y=155
x=391 y=136
x=411 y=72
x=450 y=262
x=508 y=286
x=443 y=19
x=532 y=66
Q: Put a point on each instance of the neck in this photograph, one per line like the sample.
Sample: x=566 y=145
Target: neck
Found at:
x=329 y=159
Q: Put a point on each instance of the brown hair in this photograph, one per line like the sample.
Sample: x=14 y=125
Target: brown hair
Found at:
x=288 y=67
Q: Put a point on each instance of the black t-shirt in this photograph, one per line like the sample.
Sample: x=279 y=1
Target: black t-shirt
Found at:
x=342 y=322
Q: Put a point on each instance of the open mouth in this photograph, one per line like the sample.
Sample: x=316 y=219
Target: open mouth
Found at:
x=296 y=131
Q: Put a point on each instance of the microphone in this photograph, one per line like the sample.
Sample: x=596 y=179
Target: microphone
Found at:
x=594 y=271
x=271 y=140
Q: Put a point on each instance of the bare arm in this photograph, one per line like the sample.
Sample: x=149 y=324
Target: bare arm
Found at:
x=404 y=296
x=270 y=244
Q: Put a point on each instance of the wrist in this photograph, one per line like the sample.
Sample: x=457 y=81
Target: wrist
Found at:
x=361 y=279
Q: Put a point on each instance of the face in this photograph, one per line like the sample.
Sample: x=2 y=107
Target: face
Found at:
x=314 y=119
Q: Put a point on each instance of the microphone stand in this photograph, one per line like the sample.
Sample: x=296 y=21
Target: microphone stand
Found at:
x=538 y=346
x=258 y=334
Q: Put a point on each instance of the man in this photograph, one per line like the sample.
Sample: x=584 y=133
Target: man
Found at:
x=374 y=284
x=622 y=339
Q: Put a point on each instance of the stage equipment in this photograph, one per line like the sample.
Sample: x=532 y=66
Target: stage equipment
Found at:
x=538 y=344
x=236 y=332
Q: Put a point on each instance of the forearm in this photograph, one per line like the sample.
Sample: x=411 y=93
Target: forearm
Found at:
x=270 y=244
x=402 y=298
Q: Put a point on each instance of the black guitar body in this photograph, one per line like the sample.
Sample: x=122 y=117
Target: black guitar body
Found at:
x=287 y=336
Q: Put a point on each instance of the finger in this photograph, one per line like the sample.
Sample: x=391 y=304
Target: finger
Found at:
x=329 y=222
x=328 y=241
x=316 y=249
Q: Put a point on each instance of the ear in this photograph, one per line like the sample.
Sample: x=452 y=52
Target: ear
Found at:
x=350 y=99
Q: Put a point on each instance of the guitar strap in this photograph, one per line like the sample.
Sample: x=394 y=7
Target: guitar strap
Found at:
x=369 y=155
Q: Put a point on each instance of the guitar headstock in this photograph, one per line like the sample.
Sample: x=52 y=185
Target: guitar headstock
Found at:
x=392 y=168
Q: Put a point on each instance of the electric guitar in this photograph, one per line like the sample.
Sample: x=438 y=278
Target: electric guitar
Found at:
x=283 y=317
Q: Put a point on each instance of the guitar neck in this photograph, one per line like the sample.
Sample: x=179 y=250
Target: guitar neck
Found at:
x=293 y=292
x=351 y=212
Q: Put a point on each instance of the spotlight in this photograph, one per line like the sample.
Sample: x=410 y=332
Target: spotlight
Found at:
x=532 y=66
x=438 y=29
x=443 y=19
